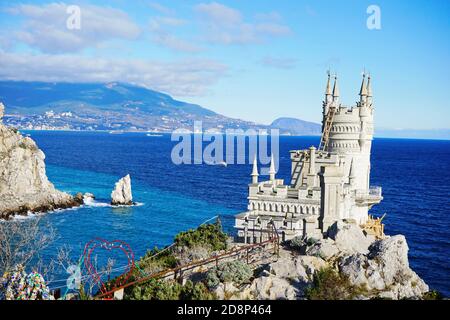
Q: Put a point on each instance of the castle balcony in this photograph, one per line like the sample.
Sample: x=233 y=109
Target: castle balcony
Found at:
x=368 y=197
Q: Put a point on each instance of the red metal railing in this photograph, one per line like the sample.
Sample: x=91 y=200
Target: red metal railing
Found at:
x=273 y=238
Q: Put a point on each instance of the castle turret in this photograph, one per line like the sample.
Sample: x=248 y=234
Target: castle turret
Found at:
x=336 y=91
x=369 y=92
x=363 y=91
x=328 y=99
x=328 y=93
x=272 y=171
x=255 y=171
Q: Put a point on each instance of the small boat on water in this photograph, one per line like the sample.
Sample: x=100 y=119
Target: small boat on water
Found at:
x=153 y=135
x=214 y=163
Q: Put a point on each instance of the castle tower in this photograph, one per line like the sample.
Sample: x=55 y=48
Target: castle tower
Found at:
x=327 y=185
x=255 y=172
x=272 y=171
x=328 y=99
x=336 y=92
x=363 y=91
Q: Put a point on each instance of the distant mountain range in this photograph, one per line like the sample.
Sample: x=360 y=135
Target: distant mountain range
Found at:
x=296 y=126
x=117 y=107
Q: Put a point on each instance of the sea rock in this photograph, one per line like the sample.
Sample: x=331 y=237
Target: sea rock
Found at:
x=349 y=237
x=24 y=186
x=89 y=195
x=121 y=194
x=2 y=110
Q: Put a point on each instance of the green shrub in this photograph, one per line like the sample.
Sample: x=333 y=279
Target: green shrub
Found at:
x=236 y=271
x=328 y=284
x=164 y=260
x=432 y=295
x=156 y=289
x=208 y=235
x=197 y=291
x=297 y=243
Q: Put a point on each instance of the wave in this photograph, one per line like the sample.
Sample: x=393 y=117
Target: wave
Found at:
x=89 y=202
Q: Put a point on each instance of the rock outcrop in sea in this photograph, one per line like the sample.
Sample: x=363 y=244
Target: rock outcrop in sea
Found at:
x=24 y=186
x=371 y=268
x=121 y=195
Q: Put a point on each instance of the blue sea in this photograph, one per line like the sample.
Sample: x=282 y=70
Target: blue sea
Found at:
x=414 y=174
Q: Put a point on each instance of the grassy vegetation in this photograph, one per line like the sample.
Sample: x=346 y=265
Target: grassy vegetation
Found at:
x=155 y=289
x=433 y=295
x=208 y=235
x=328 y=284
x=236 y=272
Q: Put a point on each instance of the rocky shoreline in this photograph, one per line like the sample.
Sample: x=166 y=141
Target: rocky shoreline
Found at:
x=24 y=186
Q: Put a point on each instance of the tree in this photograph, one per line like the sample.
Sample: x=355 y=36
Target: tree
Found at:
x=22 y=241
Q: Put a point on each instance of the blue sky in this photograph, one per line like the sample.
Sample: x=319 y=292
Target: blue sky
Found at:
x=254 y=60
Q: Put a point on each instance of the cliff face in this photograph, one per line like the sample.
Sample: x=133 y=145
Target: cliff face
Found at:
x=24 y=185
x=366 y=269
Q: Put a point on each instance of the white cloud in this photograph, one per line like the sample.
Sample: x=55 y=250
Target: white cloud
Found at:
x=162 y=34
x=220 y=14
x=161 y=9
x=227 y=25
x=182 y=78
x=45 y=27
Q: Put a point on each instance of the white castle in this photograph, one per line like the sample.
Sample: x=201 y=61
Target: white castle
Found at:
x=328 y=184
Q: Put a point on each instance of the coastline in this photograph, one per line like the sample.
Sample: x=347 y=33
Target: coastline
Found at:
x=169 y=133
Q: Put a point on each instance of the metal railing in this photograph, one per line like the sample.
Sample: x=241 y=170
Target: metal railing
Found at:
x=178 y=271
x=372 y=193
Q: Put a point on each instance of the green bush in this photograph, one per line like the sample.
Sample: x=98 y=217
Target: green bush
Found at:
x=328 y=284
x=164 y=260
x=168 y=290
x=297 y=243
x=432 y=295
x=236 y=271
x=197 y=291
x=208 y=235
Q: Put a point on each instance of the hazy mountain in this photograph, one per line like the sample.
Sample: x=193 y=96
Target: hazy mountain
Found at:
x=117 y=106
x=296 y=126
x=111 y=106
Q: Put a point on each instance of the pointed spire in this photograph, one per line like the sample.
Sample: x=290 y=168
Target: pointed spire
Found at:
x=369 y=87
x=336 y=89
x=255 y=171
x=272 y=169
x=363 y=91
x=328 y=89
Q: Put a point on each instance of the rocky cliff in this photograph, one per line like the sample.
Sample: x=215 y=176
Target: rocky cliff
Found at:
x=345 y=265
x=24 y=185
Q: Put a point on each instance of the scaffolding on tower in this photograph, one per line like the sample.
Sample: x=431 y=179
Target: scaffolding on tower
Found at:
x=326 y=130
